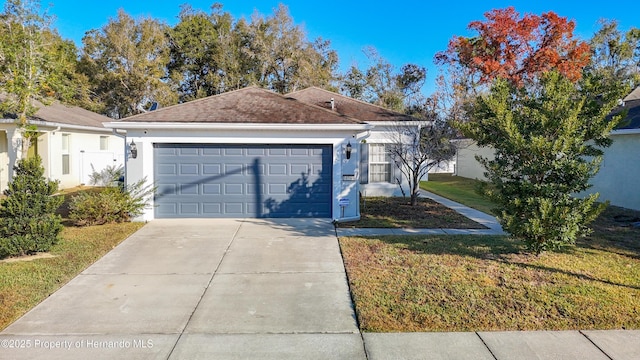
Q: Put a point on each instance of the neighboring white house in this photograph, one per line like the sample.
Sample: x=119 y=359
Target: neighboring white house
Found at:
x=619 y=177
x=72 y=142
x=378 y=174
x=246 y=153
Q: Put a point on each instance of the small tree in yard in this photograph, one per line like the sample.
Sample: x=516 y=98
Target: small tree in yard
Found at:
x=28 y=222
x=548 y=139
x=416 y=149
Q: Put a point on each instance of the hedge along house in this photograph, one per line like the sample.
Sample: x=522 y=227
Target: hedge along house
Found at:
x=617 y=180
x=379 y=175
x=246 y=153
x=71 y=141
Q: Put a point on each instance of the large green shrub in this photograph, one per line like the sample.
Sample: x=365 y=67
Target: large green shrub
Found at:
x=109 y=205
x=548 y=139
x=28 y=222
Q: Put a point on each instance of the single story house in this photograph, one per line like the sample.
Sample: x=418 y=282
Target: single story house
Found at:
x=379 y=176
x=246 y=153
x=617 y=180
x=71 y=141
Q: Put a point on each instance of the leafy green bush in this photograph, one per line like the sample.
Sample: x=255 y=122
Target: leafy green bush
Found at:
x=548 y=141
x=28 y=222
x=110 y=205
x=106 y=176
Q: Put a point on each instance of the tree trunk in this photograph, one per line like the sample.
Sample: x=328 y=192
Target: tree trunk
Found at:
x=414 y=198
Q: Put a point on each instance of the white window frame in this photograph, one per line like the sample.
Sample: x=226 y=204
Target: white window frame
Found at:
x=379 y=158
x=66 y=161
x=104 y=143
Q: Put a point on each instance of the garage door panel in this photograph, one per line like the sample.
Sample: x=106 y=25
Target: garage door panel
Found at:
x=299 y=169
x=300 y=152
x=234 y=208
x=277 y=151
x=209 y=151
x=243 y=180
x=189 y=169
x=231 y=151
x=186 y=151
x=277 y=189
x=166 y=189
x=256 y=151
x=211 y=189
x=212 y=208
x=211 y=169
x=277 y=169
x=233 y=189
x=189 y=208
x=189 y=189
x=167 y=169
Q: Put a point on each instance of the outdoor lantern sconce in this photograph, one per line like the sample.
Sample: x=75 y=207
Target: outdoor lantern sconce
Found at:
x=347 y=150
x=134 y=149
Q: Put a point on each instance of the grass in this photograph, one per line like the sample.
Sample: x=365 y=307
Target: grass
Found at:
x=24 y=284
x=397 y=212
x=458 y=189
x=484 y=283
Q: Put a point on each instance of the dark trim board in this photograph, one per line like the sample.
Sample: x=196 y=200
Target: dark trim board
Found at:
x=258 y=181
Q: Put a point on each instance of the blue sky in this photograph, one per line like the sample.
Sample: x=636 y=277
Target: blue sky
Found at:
x=402 y=31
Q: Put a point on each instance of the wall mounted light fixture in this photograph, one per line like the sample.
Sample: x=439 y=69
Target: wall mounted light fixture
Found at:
x=347 y=150
x=133 y=148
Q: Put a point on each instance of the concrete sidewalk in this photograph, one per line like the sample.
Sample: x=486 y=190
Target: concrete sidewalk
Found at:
x=249 y=289
x=492 y=225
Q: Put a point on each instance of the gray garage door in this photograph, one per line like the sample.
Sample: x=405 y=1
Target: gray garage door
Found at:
x=208 y=180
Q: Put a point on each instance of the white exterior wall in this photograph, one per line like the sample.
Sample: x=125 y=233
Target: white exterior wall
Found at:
x=84 y=151
x=618 y=180
x=347 y=188
x=4 y=160
x=466 y=164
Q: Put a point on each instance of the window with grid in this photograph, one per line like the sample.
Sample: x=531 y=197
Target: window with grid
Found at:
x=104 y=143
x=379 y=163
x=66 y=166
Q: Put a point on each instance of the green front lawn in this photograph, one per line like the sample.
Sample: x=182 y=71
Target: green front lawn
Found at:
x=458 y=189
x=24 y=284
x=484 y=283
x=397 y=212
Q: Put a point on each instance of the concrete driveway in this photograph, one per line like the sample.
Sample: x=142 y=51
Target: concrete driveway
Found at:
x=201 y=289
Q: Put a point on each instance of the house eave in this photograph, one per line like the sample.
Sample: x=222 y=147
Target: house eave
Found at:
x=59 y=125
x=625 y=132
x=400 y=123
x=236 y=126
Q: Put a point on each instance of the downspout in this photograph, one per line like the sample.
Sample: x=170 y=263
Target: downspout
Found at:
x=49 y=157
x=49 y=132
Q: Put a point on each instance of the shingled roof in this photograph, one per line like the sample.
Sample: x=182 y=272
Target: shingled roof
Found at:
x=345 y=105
x=632 y=105
x=248 y=105
x=58 y=113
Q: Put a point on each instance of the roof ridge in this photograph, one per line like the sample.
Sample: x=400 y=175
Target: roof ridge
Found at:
x=355 y=100
x=633 y=95
x=200 y=100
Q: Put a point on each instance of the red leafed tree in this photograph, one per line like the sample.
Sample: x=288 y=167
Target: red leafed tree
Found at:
x=517 y=48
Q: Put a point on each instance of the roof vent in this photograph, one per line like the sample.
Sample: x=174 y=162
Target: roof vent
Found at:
x=333 y=104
